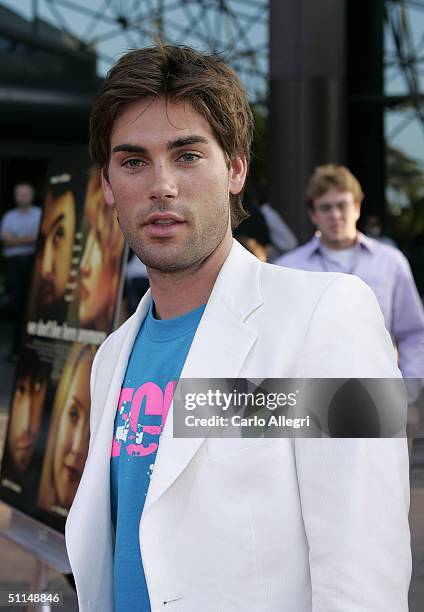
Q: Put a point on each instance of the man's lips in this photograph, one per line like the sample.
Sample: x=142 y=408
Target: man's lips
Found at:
x=163 y=226
x=162 y=218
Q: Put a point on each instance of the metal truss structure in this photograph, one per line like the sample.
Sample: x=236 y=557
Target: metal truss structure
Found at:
x=404 y=62
x=238 y=29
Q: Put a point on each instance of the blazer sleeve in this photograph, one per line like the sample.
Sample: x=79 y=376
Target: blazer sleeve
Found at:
x=354 y=492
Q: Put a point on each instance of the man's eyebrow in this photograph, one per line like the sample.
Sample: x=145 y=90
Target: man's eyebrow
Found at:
x=129 y=148
x=173 y=144
x=188 y=140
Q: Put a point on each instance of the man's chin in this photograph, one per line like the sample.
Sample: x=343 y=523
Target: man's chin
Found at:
x=173 y=261
x=170 y=267
x=335 y=237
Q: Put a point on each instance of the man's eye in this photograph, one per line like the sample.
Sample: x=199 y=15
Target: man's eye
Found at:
x=189 y=157
x=132 y=163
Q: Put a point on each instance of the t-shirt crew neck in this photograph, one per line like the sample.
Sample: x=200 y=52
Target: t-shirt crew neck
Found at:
x=163 y=330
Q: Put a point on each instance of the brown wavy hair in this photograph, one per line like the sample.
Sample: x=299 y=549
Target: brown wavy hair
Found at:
x=328 y=176
x=180 y=74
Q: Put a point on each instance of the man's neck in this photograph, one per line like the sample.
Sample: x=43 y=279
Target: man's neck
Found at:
x=24 y=209
x=349 y=243
x=176 y=293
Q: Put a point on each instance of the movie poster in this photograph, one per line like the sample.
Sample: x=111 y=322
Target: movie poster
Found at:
x=74 y=303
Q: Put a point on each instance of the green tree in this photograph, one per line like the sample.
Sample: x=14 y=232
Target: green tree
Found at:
x=405 y=196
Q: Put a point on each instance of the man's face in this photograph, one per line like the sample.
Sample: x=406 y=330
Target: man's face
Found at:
x=335 y=214
x=27 y=408
x=170 y=184
x=54 y=258
x=24 y=195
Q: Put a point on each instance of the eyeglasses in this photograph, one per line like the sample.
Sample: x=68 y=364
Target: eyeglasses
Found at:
x=325 y=208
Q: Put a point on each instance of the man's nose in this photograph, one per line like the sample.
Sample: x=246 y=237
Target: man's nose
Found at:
x=335 y=212
x=47 y=263
x=163 y=185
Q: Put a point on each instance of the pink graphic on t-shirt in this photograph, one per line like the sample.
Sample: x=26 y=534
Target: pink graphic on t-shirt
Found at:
x=167 y=399
x=131 y=431
x=122 y=430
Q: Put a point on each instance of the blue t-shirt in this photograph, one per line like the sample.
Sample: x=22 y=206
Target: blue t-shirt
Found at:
x=156 y=361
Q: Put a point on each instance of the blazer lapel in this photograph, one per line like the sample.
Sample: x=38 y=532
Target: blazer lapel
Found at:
x=88 y=527
x=109 y=385
x=219 y=349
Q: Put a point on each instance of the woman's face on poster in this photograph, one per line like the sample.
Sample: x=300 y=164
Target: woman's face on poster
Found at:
x=71 y=446
x=96 y=281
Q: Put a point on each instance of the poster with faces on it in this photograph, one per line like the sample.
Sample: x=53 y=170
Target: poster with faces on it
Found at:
x=79 y=259
x=48 y=430
x=25 y=437
x=57 y=249
x=73 y=305
x=67 y=439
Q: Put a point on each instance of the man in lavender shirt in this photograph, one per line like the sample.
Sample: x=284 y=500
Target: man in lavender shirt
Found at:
x=334 y=198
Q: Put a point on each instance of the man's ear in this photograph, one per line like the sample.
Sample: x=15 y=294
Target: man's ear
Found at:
x=237 y=174
x=312 y=214
x=107 y=189
x=357 y=206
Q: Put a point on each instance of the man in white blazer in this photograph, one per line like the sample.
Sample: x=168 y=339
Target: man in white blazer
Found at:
x=223 y=525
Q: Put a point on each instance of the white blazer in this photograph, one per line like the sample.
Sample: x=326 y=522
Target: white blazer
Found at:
x=257 y=525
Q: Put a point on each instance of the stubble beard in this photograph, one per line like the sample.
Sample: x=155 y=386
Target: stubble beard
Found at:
x=182 y=256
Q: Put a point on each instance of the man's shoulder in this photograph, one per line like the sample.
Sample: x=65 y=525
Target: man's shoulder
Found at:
x=10 y=214
x=277 y=283
x=331 y=319
x=36 y=211
x=8 y=221
x=15 y=215
x=391 y=254
x=282 y=282
x=296 y=256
